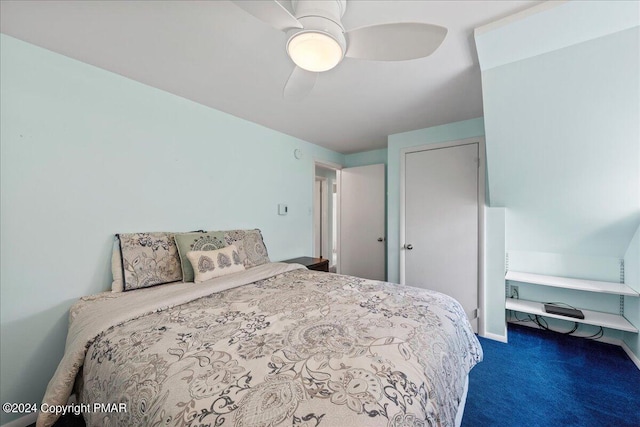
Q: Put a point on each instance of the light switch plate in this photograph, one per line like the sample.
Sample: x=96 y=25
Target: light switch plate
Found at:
x=283 y=209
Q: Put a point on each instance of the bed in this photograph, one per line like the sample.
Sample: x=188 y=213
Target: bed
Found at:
x=273 y=344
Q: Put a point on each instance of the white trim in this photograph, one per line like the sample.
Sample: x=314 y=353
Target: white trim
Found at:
x=322 y=217
x=23 y=421
x=495 y=337
x=326 y=165
x=518 y=16
x=482 y=201
x=630 y=353
x=337 y=224
x=481 y=206
x=608 y=340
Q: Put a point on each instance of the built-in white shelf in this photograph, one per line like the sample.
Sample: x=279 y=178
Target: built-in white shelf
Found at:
x=598 y=318
x=569 y=283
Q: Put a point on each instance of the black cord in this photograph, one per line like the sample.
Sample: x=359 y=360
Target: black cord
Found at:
x=542 y=323
x=595 y=336
x=514 y=314
x=527 y=319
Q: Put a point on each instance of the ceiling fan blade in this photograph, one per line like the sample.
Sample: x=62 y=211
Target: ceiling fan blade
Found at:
x=271 y=12
x=394 y=42
x=299 y=84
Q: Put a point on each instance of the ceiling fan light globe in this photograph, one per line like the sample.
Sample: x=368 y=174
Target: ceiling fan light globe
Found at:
x=314 y=51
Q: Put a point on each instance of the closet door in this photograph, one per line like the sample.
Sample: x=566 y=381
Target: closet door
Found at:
x=441 y=222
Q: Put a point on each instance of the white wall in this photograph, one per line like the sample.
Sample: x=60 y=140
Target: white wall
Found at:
x=85 y=154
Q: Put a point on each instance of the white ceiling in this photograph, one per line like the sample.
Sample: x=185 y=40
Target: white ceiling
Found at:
x=214 y=53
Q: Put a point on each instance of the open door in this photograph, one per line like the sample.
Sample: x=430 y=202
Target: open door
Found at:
x=362 y=222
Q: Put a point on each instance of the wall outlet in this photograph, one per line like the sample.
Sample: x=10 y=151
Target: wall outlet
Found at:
x=514 y=292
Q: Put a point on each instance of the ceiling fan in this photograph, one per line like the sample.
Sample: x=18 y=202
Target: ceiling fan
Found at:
x=317 y=40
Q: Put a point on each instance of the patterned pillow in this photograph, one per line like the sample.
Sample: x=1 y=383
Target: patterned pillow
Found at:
x=209 y=264
x=200 y=241
x=149 y=259
x=116 y=267
x=250 y=245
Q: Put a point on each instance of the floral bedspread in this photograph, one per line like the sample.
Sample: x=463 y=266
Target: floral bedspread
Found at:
x=301 y=348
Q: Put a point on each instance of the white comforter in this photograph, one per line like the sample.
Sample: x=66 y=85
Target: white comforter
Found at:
x=273 y=345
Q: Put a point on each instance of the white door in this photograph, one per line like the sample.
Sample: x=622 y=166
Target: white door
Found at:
x=441 y=222
x=362 y=222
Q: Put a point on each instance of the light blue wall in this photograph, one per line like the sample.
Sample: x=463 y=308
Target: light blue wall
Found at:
x=632 y=278
x=561 y=119
x=551 y=26
x=562 y=146
x=365 y=158
x=85 y=154
x=433 y=135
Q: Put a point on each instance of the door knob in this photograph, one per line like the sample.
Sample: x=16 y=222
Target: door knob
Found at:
x=380 y=239
x=408 y=247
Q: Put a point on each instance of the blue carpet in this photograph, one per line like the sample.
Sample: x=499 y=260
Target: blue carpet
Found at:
x=542 y=378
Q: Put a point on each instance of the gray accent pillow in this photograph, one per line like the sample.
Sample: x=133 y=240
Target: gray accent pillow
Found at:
x=251 y=247
x=201 y=241
x=149 y=259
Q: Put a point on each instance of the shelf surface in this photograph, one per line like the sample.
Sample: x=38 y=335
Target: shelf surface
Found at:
x=569 y=283
x=598 y=318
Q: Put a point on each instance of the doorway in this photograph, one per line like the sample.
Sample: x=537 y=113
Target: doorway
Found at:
x=325 y=214
x=349 y=209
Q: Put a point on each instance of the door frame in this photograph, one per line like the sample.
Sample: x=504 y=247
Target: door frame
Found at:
x=481 y=205
x=336 y=167
x=323 y=216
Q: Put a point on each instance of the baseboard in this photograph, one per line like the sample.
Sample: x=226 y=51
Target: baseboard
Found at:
x=495 y=337
x=630 y=353
x=608 y=340
x=24 y=421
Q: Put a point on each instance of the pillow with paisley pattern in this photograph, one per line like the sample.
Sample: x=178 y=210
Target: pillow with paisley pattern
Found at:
x=251 y=247
x=200 y=241
x=210 y=264
x=148 y=259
